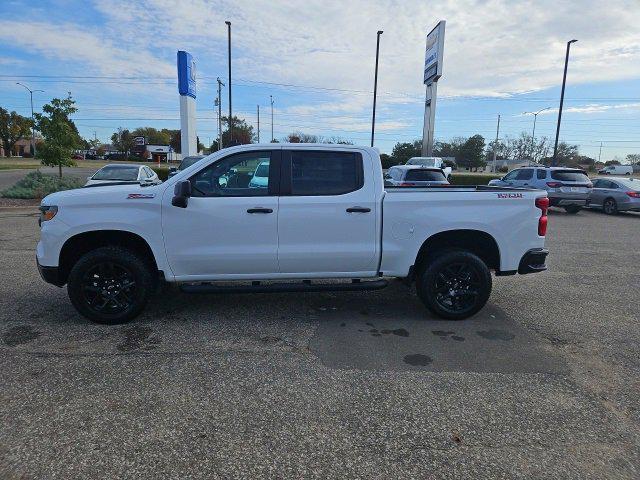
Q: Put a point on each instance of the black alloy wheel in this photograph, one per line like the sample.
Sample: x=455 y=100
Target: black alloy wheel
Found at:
x=455 y=284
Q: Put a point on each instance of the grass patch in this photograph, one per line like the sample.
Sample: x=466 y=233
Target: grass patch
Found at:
x=37 y=185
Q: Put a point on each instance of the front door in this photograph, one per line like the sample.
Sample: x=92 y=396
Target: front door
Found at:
x=328 y=217
x=229 y=229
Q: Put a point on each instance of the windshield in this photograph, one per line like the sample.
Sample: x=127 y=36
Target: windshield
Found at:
x=427 y=162
x=569 y=176
x=425 y=175
x=262 y=170
x=120 y=173
x=187 y=162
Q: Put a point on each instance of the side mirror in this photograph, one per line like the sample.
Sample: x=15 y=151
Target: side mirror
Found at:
x=181 y=194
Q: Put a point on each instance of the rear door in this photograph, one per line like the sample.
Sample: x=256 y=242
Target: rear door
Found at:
x=327 y=213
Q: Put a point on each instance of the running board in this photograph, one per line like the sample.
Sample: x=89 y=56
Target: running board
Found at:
x=305 y=286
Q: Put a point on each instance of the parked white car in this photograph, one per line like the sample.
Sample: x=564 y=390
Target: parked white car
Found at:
x=436 y=162
x=323 y=221
x=123 y=173
x=414 y=176
x=617 y=170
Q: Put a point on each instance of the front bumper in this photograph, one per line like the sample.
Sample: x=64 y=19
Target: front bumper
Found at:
x=533 y=261
x=50 y=274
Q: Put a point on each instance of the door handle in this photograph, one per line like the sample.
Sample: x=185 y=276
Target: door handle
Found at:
x=259 y=210
x=358 y=210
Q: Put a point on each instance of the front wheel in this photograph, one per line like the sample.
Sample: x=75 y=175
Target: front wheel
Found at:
x=110 y=285
x=454 y=285
x=572 y=209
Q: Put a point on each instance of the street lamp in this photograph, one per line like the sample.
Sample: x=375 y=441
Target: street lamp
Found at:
x=564 y=81
x=375 y=86
x=33 y=131
x=533 y=135
x=230 y=117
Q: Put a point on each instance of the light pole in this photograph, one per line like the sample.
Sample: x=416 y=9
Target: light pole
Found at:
x=33 y=125
x=258 y=123
x=375 y=86
x=271 y=98
x=219 y=99
x=564 y=81
x=230 y=115
x=533 y=135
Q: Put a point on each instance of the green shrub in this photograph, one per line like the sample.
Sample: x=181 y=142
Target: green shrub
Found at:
x=468 y=179
x=37 y=185
x=163 y=173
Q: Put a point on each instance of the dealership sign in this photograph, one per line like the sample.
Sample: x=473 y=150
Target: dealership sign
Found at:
x=186 y=74
x=433 y=54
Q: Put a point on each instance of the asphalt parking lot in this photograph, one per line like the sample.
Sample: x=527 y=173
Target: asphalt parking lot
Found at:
x=543 y=383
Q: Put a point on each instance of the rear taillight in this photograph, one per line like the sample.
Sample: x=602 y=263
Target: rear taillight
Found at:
x=554 y=184
x=543 y=204
x=633 y=194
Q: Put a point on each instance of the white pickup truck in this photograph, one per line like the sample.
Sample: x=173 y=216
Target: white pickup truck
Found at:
x=321 y=220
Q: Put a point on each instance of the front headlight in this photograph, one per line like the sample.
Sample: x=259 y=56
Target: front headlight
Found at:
x=47 y=212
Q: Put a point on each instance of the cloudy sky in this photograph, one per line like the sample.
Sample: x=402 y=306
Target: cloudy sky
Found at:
x=316 y=58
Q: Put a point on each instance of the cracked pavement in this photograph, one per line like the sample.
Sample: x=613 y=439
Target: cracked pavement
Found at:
x=543 y=383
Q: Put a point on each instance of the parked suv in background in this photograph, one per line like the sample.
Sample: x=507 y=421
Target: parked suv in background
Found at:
x=568 y=188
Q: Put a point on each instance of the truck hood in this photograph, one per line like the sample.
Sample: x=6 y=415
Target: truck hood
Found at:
x=107 y=194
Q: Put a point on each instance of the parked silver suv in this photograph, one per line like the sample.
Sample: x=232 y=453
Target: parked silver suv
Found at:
x=566 y=187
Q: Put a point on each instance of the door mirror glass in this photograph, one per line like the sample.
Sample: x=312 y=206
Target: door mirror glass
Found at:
x=181 y=194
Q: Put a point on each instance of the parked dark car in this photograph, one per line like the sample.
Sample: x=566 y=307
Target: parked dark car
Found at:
x=186 y=162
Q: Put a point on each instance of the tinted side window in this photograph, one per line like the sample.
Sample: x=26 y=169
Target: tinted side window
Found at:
x=325 y=173
x=525 y=174
x=242 y=175
x=511 y=175
x=541 y=174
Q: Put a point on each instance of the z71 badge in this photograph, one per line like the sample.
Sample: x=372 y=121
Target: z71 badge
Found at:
x=509 y=195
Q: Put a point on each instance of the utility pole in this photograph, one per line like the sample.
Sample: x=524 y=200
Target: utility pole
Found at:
x=272 y=138
x=600 y=152
x=230 y=114
x=564 y=81
x=33 y=122
x=495 y=146
x=258 y=123
x=375 y=86
x=220 y=84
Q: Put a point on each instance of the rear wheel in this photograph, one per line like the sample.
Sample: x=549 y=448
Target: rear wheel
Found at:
x=110 y=285
x=573 y=209
x=454 y=285
x=610 y=207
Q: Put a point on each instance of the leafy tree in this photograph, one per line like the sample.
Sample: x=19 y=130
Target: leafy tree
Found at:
x=122 y=140
x=387 y=160
x=299 y=137
x=633 y=158
x=404 y=151
x=13 y=127
x=59 y=133
x=566 y=155
x=471 y=153
x=153 y=135
x=242 y=132
x=612 y=162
